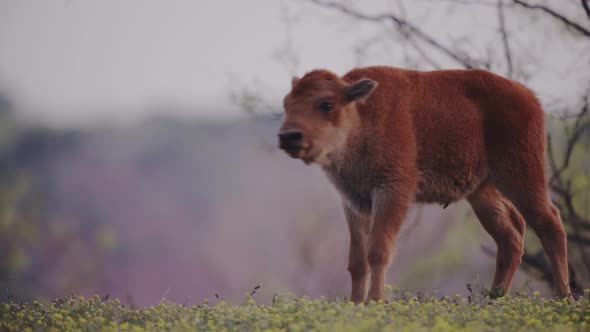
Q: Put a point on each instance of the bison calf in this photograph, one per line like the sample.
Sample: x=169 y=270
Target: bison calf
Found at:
x=386 y=137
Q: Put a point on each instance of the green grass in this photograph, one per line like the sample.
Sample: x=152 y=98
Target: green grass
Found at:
x=289 y=313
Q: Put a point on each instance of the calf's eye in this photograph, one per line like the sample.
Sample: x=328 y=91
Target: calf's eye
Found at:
x=326 y=106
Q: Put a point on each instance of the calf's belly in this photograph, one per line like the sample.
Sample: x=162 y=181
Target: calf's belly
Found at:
x=452 y=176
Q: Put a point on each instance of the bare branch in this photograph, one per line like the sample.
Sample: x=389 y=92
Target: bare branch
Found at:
x=556 y=15
x=424 y=55
x=504 y=34
x=405 y=27
x=536 y=263
x=414 y=43
x=586 y=7
x=551 y=157
x=473 y=2
x=562 y=187
x=579 y=239
x=580 y=126
x=286 y=54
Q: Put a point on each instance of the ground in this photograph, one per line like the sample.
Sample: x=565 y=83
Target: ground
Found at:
x=403 y=312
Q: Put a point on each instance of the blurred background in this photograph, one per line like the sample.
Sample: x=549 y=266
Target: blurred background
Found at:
x=138 y=151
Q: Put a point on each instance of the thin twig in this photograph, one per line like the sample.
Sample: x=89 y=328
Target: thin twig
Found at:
x=405 y=27
x=580 y=126
x=504 y=34
x=470 y=2
x=556 y=15
x=586 y=7
x=562 y=188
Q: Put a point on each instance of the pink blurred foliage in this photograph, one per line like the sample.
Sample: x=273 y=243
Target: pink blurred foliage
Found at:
x=194 y=210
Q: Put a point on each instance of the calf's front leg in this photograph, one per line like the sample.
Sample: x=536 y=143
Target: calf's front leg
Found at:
x=388 y=213
x=358 y=266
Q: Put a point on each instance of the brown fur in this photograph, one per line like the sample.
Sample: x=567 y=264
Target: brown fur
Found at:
x=431 y=137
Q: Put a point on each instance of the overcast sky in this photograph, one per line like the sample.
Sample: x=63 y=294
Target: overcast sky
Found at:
x=73 y=59
x=80 y=60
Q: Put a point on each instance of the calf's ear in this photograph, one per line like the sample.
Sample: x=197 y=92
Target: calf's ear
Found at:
x=359 y=89
x=294 y=81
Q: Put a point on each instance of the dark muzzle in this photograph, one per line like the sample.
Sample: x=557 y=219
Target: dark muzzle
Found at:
x=291 y=141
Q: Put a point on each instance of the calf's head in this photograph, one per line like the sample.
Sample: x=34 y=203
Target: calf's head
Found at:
x=320 y=112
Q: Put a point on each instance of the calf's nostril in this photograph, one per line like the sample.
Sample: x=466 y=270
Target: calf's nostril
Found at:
x=291 y=137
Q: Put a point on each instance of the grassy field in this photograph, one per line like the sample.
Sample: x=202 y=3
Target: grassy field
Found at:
x=403 y=312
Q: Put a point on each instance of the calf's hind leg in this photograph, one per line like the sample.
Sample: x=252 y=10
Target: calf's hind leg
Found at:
x=521 y=179
x=506 y=226
x=544 y=219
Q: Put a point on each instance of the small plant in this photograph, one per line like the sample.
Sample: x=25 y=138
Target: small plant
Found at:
x=287 y=312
